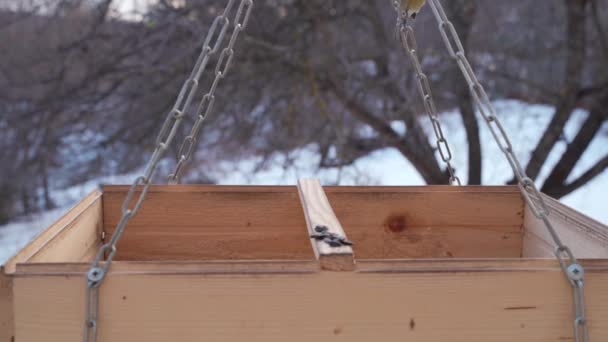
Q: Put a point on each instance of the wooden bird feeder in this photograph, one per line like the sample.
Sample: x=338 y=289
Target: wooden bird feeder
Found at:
x=237 y=263
x=307 y=263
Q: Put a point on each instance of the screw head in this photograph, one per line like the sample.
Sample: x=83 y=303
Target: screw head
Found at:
x=332 y=241
x=575 y=272
x=321 y=229
x=95 y=274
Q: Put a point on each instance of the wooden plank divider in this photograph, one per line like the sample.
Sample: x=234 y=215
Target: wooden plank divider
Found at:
x=173 y=268
x=319 y=213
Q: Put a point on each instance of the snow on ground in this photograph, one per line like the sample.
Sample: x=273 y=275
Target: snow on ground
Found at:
x=14 y=236
x=523 y=122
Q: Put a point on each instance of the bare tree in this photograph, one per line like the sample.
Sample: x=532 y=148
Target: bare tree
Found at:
x=83 y=91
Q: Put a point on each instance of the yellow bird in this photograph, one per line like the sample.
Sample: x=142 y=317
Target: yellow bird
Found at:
x=408 y=9
x=411 y=7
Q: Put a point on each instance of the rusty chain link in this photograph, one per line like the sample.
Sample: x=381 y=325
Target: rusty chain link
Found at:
x=572 y=269
x=211 y=45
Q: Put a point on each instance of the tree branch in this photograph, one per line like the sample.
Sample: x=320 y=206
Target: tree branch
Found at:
x=585 y=178
x=358 y=148
x=575 y=38
x=603 y=37
x=425 y=163
x=463 y=13
x=592 y=90
x=576 y=148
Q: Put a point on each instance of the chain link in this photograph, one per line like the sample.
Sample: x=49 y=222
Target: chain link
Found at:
x=206 y=104
x=410 y=45
x=138 y=190
x=96 y=274
x=572 y=269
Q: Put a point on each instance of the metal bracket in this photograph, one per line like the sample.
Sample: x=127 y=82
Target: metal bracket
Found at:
x=332 y=239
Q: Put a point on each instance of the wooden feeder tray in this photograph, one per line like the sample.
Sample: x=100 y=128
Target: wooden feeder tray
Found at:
x=237 y=263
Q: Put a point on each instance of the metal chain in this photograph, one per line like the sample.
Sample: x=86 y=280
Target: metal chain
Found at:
x=132 y=204
x=572 y=269
x=410 y=45
x=206 y=105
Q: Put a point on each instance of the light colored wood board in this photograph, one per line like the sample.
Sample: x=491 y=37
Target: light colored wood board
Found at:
x=426 y=307
x=419 y=208
x=190 y=188
x=79 y=240
x=318 y=212
x=505 y=189
x=472 y=265
x=179 y=225
x=304 y=266
x=465 y=222
x=436 y=242
x=536 y=247
x=7 y=331
x=174 y=267
x=155 y=243
x=202 y=188
x=365 y=212
x=55 y=231
x=586 y=237
x=239 y=210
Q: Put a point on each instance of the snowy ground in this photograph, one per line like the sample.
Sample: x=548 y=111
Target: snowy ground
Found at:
x=523 y=122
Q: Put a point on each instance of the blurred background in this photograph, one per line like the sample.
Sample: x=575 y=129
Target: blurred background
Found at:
x=318 y=88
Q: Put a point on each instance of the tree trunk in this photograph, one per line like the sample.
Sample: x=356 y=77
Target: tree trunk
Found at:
x=48 y=202
x=6 y=204
x=25 y=202
x=555 y=185
x=575 y=41
x=462 y=14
